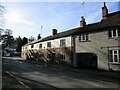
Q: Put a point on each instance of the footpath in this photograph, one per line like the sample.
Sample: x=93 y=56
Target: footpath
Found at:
x=9 y=82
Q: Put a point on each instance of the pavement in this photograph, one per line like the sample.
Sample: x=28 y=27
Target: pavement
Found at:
x=9 y=81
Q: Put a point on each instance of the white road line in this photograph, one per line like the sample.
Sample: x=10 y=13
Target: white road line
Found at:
x=18 y=80
x=9 y=74
x=23 y=84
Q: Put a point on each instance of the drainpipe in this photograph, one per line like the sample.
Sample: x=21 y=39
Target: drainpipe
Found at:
x=74 y=52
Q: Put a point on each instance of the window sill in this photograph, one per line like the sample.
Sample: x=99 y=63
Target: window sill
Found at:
x=85 y=41
x=62 y=46
x=114 y=63
x=61 y=60
x=115 y=38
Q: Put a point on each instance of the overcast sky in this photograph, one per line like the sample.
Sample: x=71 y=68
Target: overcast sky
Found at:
x=26 y=18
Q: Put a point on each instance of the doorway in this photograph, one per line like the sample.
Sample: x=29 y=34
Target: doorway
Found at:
x=87 y=60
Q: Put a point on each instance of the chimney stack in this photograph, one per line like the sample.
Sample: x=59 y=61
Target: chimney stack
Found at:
x=82 y=22
x=54 y=32
x=104 y=11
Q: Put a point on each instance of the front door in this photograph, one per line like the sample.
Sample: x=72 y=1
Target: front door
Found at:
x=53 y=58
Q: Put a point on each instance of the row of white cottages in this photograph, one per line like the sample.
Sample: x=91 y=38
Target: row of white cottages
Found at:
x=88 y=46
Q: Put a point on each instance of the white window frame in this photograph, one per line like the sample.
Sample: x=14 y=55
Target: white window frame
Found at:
x=41 y=45
x=62 y=57
x=48 y=46
x=62 y=43
x=113 y=56
x=83 y=37
x=116 y=32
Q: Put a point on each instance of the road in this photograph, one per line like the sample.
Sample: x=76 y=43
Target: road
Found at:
x=39 y=76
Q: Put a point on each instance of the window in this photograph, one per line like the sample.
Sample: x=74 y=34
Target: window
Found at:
x=114 y=32
x=62 y=57
x=114 y=56
x=32 y=46
x=26 y=47
x=49 y=44
x=62 y=43
x=40 y=55
x=40 y=45
x=84 y=37
x=49 y=56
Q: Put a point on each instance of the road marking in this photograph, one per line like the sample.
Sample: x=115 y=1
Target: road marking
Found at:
x=18 y=80
x=24 y=84
x=9 y=74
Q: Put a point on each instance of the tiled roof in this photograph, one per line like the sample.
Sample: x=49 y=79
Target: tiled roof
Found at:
x=112 y=20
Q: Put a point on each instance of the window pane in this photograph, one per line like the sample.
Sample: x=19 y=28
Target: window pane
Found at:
x=79 y=37
x=119 y=56
x=62 y=43
x=83 y=38
x=114 y=32
x=115 y=58
x=87 y=38
x=48 y=44
x=110 y=33
x=115 y=52
x=40 y=46
x=118 y=32
x=111 y=58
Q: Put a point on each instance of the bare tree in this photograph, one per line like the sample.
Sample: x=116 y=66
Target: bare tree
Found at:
x=2 y=20
x=8 y=32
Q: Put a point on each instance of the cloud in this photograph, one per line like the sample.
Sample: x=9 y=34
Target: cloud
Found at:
x=17 y=17
x=21 y=21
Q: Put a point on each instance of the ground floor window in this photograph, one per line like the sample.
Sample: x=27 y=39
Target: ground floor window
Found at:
x=62 y=57
x=49 y=56
x=114 y=56
x=40 y=55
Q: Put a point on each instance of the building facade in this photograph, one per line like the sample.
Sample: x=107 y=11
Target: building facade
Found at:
x=94 y=45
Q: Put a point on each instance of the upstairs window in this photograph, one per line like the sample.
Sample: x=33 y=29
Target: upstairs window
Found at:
x=114 y=56
x=40 y=45
x=32 y=46
x=115 y=32
x=84 y=37
x=62 y=43
x=62 y=57
x=49 y=44
x=26 y=47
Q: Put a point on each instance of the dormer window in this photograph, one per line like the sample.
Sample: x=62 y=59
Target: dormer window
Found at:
x=114 y=33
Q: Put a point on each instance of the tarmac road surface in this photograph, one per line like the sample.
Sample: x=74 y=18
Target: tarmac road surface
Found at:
x=39 y=76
